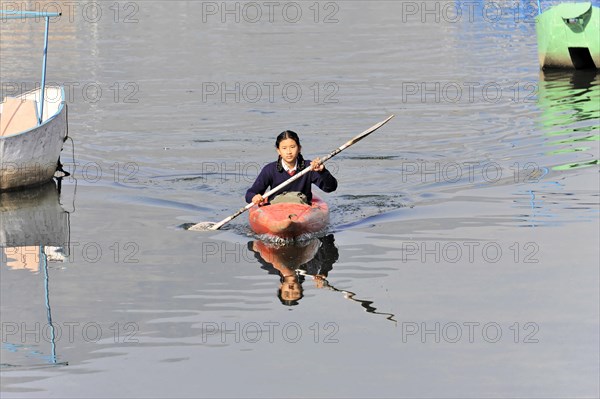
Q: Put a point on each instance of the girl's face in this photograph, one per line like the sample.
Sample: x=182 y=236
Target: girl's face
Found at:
x=288 y=150
x=291 y=290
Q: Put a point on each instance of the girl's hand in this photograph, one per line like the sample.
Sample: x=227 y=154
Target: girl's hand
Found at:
x=258 y=199
x=316 y=165
x=319 y=281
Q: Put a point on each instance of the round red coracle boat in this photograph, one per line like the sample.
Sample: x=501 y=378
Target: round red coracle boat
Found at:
x=287 y=220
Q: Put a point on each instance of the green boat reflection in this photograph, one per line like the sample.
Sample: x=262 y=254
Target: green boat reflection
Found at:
x=570 y=104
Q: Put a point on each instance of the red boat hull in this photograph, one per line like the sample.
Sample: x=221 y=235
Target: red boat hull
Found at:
x=289 y=220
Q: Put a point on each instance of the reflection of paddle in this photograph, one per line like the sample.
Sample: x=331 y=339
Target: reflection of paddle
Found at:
x=204 y=226
x=365 y=304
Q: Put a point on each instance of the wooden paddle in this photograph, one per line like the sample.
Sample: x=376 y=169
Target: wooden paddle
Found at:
x=204 y=226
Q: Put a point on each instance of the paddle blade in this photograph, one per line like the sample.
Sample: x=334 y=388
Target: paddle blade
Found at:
x=203 y=226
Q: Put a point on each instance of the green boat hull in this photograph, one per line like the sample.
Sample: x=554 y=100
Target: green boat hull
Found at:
x=568 y=36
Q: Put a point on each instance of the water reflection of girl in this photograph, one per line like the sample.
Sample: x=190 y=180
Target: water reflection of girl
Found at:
x=293 y=262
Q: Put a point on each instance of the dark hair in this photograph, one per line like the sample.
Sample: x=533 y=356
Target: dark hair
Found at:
x=288 y=134
x=291 y=302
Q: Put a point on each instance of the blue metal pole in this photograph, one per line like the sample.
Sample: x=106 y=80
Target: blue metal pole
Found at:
x=41 y=108
x=539 y=8
x=44 y=259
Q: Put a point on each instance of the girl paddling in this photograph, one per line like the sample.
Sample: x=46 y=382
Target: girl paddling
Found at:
x=289 y=162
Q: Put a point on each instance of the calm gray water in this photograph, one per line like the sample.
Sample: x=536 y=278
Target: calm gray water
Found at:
x=462 y=256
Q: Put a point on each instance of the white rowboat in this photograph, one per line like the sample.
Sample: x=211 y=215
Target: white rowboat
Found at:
x=29 y=151
x=33 y=125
